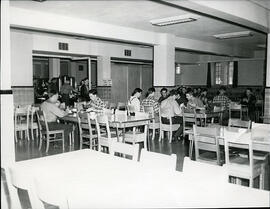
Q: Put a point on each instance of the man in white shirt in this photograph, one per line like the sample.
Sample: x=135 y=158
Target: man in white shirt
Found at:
x=169 y=108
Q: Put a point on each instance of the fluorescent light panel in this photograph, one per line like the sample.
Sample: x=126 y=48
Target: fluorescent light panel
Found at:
x=233 y=35
x=174 y=20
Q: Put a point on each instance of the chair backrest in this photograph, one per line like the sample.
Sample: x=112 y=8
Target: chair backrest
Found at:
x=206 y=138
x=121 y=106
x=188 y=120
x=160 y=116
x=126 y=149
x=25 y=110
x=157 y=161
x=198 y=170
x=43 y=192
x=106 y=103
x=84 y=123
x=130 y=109
x=42 y=121
x=102 y=121
x=112 y=106
x=107 y=111
x=234 y=142
x=120 y=112
x=235 y=107
x=234 y=122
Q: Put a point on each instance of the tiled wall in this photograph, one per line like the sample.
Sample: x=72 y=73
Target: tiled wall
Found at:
x=104 y=92
x=23 y=95
x=267 y=106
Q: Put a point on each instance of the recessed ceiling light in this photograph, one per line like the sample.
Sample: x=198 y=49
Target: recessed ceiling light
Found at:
x=261 y=45
x=240 y=34
x=174 y=20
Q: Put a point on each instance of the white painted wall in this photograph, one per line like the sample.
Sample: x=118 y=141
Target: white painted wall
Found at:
x=21 y=59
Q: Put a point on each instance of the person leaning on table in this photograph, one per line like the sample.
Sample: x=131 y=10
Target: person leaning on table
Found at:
x=53 y=112
x=169 y=108
x=95 y=102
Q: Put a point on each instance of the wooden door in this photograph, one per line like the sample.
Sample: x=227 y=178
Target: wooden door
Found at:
x=147 y=77
x=119 y=82
x=134 y=78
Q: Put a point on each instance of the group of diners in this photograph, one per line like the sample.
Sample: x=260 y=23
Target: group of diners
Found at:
x=169 y=104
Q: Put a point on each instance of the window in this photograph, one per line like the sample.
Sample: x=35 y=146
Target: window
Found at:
x=224 y=73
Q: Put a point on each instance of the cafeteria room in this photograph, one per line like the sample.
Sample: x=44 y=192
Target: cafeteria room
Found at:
x=135 y=104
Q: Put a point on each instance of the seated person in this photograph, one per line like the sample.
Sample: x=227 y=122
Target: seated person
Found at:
x=182 y=97
x=203 y=97
x=193 y=102
x=95 y=102
x=169 y=108
x=66 y=91
x=249 y=100
x=134 y=100
x=164 y=95
x=53 y=112
x=150 y=101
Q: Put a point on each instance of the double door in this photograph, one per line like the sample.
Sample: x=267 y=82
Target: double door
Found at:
x=127 y=77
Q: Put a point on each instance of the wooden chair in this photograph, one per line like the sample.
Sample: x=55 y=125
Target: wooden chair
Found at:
x=104 y=138
x=121 y=106
x=21 y=121
x=233 y=122
x=86 y=131
x=136 y=136
x=207 y=145
x=154 y=123
x=126 y=149
x=43 y=193
x=112 y=106
x=234 y=107
x=198 y=171
x=46 y=134
x=157 y=161
x=14 y=183
x=167 y=127
x=189 y=119
x=243 y=167
x=33 y=122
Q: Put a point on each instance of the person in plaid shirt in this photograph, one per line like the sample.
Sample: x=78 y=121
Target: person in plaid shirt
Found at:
x=95 y=102
x=222 y=99
x=150 y=100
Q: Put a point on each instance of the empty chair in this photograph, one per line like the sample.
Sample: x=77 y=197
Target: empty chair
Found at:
x=204 y=171
x=21 y=121
x=45 y=195
x=104 y=138
x=167 y=127
x=243 y=167
x=234 y=107
x=154 y=123
x=189 y=119
x=233 y=122
x=126 y=149
x=112 y=106
x=207 y=145
x=136 y=136
x=33 y=124
x=86 y=131
x=157 y=161
x=46 y=134
x=121 y=106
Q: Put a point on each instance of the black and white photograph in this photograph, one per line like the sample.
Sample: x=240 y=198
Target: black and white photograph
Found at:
x=125 y=104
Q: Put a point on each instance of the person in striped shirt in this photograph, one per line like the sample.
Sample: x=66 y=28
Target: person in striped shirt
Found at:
x=150 y=100
x=95 y=102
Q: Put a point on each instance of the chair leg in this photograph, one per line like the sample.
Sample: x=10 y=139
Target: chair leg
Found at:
x=160 y=135
x=170 y=136
x=15 y=136
x=153 y=134
x=262 y=177
x=63 y=142
x=190 y=148
x=47 y=145
x=32 y=133
x=40 y=142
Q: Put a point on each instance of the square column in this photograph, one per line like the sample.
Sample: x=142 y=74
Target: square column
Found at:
x=267 y=88
x=164 y=61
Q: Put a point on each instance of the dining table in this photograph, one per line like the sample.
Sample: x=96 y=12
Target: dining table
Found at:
x=117 y=121
x=259 y=134
x=91 y=179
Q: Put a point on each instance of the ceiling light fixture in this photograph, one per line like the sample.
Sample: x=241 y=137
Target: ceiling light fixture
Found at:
x=240 y=34
x=174 y=20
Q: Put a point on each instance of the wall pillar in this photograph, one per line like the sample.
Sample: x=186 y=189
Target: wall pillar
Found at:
x=54 y=68
x=164 y=61
x=103 y=69
x=6 y=103
x=267 y=88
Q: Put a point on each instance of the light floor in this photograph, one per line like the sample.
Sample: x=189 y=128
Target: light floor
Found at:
x=29 y=149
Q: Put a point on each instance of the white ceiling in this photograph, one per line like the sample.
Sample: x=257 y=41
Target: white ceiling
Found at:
x=138 y=13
